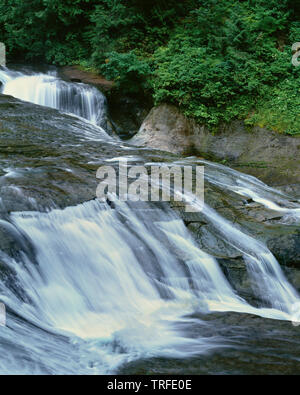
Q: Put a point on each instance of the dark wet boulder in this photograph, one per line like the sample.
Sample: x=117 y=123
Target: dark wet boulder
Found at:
x=286 y=247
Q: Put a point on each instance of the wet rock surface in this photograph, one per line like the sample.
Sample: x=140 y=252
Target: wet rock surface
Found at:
x=48 y=159
x=277 y=345
x=286 y=247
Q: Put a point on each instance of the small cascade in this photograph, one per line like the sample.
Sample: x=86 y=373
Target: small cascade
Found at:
x=48 y=90
x=274 y=288
x=268 y=277
x=95 y=286
x=133 y=278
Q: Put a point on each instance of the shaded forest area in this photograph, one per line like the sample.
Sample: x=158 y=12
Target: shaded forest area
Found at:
x=216 y=60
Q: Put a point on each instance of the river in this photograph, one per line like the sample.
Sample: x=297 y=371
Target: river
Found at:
x=91 y=288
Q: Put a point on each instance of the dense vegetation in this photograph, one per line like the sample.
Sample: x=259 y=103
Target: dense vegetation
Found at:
x=217 y=60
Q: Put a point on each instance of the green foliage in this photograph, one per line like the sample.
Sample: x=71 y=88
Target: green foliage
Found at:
x=139 y=25
x=279 y=110
x=47 y=30
x=222 y=59
x=217 y=60
x=128 y=71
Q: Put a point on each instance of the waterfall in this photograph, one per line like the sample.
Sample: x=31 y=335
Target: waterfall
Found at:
x=268 y=277
x=128 y=281
x=6 y=75
x=93 y=287
x=110 y=278
x=262 y=266
x=48 y=90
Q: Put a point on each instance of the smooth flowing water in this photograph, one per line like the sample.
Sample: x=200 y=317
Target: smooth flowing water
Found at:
x=250 y=187
x=48 y=90
x=94 y=288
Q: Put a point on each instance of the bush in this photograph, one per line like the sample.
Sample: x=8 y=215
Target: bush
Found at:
x=225 y=60
x=216 y=60
x=45 y=30
x=128 y=71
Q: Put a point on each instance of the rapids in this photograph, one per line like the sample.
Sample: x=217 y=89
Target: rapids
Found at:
x=92 y=288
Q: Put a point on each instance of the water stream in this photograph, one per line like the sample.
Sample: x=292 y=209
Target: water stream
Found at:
x=107 y=286
x=49 y=90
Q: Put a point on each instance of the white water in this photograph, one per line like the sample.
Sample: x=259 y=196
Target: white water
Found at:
x=250 y=187
x=125 y=284
x=268 y=277
x=48 y=90
x=126 y=281
x=108 y=277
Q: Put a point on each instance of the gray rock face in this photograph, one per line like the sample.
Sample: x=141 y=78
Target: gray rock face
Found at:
x=46 y=161
x=49 y=159
x=272 y=157
x=286 y=247
x=165 y=128
x=2 y=55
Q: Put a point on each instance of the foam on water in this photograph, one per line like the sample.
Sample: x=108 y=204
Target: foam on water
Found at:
x=105 y=286
x=48 y=90
x=127 y=282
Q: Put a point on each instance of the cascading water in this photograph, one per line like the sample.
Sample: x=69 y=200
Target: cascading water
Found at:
x=48 y=90
x=274 y=288
x=93 y=287
x=250 y=187
x=126 y=281
x=106 y=276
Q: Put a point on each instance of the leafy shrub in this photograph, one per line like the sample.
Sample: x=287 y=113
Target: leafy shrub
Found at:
x=224 y=60
x=46 y=30
x=128 y=71
x=216 y=60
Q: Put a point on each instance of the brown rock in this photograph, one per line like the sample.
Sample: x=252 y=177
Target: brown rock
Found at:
x=75 y=74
